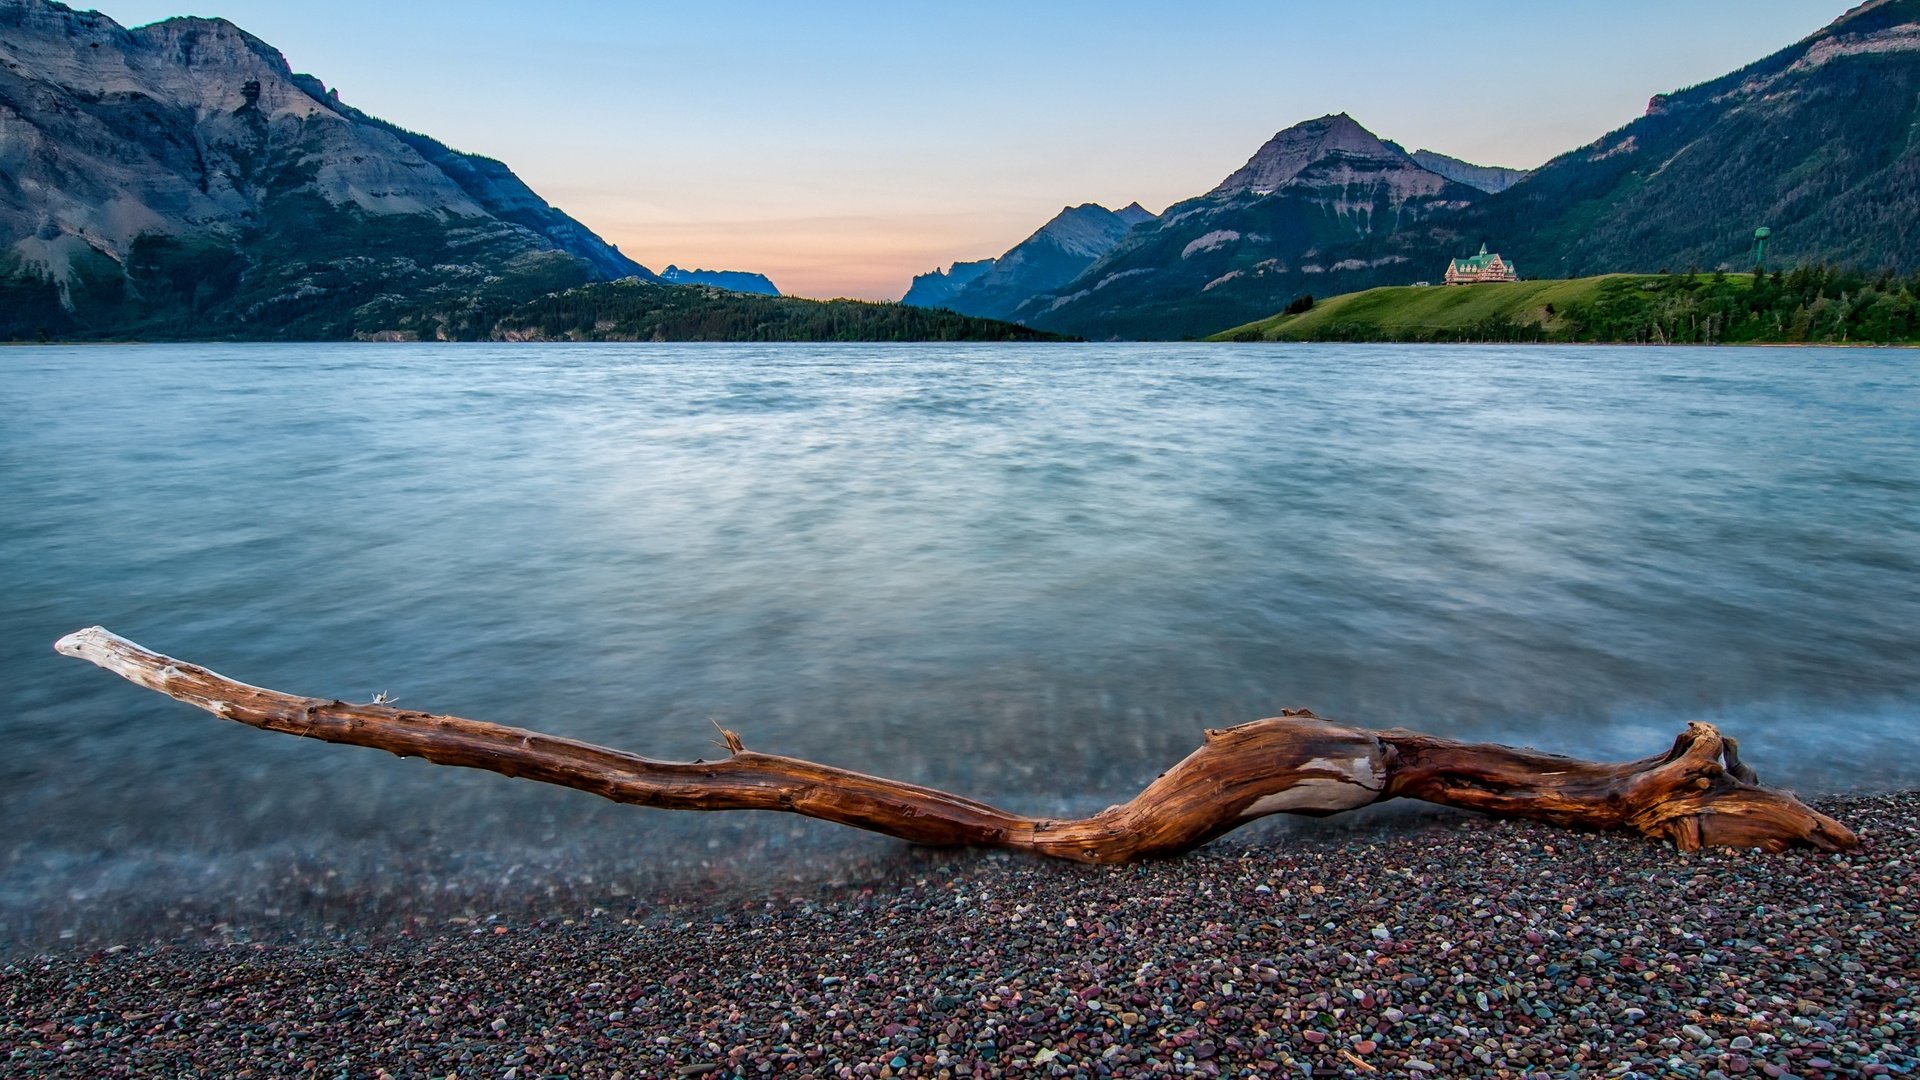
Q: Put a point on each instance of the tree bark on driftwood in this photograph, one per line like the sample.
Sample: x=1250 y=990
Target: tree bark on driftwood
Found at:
x=1696 y=794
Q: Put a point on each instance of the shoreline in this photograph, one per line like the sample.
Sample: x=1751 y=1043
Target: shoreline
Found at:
x=108 y=343
x=1452 y=946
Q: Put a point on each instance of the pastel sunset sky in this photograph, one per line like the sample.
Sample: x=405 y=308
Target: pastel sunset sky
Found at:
x=841 y=147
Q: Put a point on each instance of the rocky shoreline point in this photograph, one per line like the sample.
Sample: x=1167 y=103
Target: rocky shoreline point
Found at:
x=1439 y=948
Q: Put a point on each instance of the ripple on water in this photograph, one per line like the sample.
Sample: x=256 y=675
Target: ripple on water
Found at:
x=1028 y=572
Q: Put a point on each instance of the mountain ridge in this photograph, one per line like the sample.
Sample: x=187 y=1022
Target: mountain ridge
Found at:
x=1491 y=179
x=1050 y=256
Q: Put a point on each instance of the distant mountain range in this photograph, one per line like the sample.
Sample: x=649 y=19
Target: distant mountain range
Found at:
x=179 y=180
x=1055 y=254
x=1815 y=142
x=740 y=281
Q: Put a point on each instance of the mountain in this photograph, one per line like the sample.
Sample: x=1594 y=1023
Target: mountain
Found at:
x=1488 y=178
x=179 y=179
x=736 y=280
x=936 y=287
x=1257 y=239
x=1816 y=142
x=1057 y=252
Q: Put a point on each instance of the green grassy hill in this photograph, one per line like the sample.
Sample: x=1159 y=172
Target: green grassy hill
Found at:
x=1811 y=304
x=1435 y=313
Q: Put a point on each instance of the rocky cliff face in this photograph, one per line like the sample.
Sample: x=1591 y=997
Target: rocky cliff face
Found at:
x=1487 y=178
x=1058 y=251
x=181 y=175
x=1263 y=234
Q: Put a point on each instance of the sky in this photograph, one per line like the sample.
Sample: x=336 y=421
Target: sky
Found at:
x=841 y=147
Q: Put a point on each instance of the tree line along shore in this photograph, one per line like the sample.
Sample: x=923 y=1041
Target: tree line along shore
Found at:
x=1823 y=305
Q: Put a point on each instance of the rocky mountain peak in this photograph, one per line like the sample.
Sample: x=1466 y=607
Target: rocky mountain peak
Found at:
x=1292 y=151
x=191 y=41
x=1133 y=214
x=1088 y=229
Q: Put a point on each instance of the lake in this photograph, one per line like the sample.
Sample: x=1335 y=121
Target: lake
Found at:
x=1028 y=573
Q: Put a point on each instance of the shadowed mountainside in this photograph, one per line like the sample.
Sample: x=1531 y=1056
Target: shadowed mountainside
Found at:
x=1056 y=253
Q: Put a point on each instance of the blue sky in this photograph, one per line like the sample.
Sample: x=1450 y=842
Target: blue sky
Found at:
x=841 y=147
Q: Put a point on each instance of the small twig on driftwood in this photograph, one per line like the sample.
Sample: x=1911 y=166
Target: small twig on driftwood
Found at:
x=1697 y=793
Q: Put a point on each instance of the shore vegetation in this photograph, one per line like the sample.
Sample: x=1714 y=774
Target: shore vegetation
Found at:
x=1810 y=304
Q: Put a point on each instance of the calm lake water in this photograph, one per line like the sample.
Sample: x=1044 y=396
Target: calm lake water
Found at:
x=1030 y=573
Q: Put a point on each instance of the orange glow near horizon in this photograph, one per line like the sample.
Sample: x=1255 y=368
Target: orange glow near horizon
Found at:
x=854 y=256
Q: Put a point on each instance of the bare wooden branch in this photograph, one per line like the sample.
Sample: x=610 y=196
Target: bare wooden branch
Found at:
x=1696 y=794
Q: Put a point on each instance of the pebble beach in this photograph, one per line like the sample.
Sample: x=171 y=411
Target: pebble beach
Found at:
x=1443 y=947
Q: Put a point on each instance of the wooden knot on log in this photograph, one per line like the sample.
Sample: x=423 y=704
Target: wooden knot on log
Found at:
x=732 y=740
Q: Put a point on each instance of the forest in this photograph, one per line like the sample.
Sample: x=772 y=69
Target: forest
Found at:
x=641 y=311
x=1819 y=304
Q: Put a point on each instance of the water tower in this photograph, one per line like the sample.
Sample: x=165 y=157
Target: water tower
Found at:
x=1760 y=236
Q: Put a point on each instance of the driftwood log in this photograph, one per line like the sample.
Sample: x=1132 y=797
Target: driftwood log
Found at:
x=1696 y=794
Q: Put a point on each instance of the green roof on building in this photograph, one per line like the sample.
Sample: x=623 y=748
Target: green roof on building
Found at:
x=1476 y=263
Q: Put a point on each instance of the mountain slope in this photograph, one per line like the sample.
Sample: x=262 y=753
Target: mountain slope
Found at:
x=1055 y=254
x=498 y=191
x=1257 y=239
x=1819 y=142
x=179 y=179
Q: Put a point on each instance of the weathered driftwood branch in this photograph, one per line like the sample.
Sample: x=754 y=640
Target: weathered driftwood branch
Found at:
x=1698 y=793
